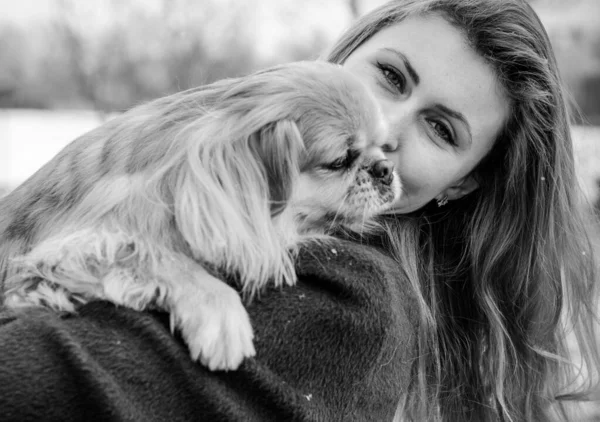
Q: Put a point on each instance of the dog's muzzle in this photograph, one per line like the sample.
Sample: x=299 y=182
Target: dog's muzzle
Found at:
x=383 y=171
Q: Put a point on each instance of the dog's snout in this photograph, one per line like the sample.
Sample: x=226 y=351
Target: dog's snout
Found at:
x=383 y=170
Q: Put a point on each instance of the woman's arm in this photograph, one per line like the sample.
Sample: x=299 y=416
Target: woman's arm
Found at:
x=337 y=346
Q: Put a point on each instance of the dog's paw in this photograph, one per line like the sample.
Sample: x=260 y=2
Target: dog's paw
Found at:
x=41 y=294
x=216 y=328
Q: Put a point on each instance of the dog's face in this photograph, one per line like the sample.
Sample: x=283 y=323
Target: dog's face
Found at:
x=345 y=178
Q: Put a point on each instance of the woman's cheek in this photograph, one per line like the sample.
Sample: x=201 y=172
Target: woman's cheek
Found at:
x=411 y=181
x=422 y=178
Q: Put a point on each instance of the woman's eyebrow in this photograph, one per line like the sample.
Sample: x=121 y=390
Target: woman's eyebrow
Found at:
x=457 y=115
x=411 y=70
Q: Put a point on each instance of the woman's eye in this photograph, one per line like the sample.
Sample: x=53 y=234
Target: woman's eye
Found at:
x=393 y=76
x=443 y=131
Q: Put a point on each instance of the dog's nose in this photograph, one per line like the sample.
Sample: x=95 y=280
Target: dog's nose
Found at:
x=383 y=170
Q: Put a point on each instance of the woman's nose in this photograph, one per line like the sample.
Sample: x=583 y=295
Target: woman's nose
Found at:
x=398 y=118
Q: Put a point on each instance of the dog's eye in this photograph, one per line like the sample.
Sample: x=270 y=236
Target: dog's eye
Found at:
x=343 y=163
x=338 y=164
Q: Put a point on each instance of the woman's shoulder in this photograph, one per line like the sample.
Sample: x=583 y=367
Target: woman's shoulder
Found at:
x=337 y=346
x=345 y=331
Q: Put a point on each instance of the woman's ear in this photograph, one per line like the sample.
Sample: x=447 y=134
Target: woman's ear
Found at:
x=462 y=187
x=278 y=146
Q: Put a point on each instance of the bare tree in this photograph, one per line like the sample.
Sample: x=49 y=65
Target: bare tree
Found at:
x=142 y=55
x=84 y=59
x=354 y=8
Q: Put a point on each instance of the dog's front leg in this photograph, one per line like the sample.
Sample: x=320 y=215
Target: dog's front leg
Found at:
x=211 y=318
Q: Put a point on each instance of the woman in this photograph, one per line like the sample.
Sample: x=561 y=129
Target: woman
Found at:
x=472 y=92
x=494 y=261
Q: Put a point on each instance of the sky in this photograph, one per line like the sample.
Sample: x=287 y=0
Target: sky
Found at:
x=25 y=10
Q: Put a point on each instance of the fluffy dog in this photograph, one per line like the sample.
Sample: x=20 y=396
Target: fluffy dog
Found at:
x=152 y=208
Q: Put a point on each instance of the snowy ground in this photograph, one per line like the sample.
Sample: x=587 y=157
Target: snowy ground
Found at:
x=29 y=138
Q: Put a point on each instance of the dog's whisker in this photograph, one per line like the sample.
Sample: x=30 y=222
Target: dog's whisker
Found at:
x=364 y=218
x=338 y=211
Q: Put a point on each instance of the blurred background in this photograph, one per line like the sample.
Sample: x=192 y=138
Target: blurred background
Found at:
x=68 y=65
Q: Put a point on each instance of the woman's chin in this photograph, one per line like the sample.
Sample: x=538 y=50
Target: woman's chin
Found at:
x=402 y=206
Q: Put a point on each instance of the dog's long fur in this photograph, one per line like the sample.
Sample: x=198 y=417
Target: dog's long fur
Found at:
x=226 y=179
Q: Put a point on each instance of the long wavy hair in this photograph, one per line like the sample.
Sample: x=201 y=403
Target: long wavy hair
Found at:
x=504 y=274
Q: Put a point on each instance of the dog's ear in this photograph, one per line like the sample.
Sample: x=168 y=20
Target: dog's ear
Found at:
x=228 y=186
x=278 y=146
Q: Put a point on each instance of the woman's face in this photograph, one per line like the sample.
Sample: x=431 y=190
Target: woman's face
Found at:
x=442 y=101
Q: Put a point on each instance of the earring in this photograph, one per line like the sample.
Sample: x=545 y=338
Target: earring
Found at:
x=443 y=201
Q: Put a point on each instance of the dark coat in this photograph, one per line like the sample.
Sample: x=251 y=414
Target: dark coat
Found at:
x=339 y=346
